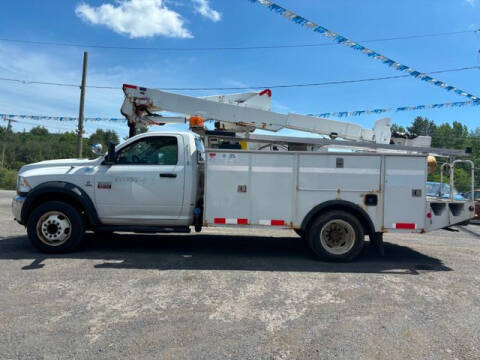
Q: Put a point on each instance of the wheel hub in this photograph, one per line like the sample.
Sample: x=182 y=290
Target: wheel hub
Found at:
x=54 y=228
x=337 y=237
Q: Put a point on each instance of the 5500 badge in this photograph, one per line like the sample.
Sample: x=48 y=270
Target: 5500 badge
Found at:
x=104 y=185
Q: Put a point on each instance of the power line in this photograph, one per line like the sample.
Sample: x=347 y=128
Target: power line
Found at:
x=278 y=86
x=229 y=48
x=28 y=82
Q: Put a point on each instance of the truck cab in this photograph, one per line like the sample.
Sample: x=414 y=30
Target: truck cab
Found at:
x=151 y=184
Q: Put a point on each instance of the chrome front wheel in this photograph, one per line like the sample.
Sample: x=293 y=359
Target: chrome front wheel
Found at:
x=54 y=228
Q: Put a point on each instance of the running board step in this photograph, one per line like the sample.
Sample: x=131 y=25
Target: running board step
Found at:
x=145 y=229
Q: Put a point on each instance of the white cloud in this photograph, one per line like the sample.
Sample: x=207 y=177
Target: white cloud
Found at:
x=204 y=9
x=471 y=2
x=136 y=18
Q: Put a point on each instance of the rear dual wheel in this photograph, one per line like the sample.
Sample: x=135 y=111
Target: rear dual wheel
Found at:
x=336 y=236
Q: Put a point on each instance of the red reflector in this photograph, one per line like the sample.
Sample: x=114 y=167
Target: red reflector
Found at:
x=129 y=86
x=405 y=226
x=212 y=154
x=242 y=221
x=277 y=222
x=219 y=221
x=429 y=215
x=266 y=91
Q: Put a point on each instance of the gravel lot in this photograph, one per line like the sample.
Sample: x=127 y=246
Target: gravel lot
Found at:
x=240 y=295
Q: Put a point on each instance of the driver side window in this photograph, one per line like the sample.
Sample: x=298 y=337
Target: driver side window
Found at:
x=155 y=150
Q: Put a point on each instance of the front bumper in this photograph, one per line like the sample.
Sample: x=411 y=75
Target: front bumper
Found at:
x=17 y=204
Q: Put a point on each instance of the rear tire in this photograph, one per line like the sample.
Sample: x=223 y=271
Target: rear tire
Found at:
x=336 y=236
x=55 y=227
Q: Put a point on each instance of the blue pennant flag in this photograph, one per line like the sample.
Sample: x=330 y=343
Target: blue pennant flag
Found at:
x=350 y=43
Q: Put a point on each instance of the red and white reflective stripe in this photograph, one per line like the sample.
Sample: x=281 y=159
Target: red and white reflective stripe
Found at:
x=240 y=221
x=405 y=226
x=272 y=222
x=230 y=221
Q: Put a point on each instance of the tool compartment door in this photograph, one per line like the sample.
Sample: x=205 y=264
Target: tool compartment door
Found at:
x=227 y=180
x=249 y=188
x=404 y=200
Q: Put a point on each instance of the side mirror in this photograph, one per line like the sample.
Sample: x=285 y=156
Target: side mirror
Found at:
x=97 y=149
x=110 y=158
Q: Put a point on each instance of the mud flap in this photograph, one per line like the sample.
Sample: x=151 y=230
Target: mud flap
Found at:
x=377 y=241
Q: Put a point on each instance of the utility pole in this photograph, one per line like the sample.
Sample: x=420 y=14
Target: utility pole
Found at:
x=82 y=104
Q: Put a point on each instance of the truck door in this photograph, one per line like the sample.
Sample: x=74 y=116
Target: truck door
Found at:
x=405 y=183
x=145 y=186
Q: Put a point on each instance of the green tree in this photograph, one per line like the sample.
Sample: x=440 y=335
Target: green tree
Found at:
x=39 y=131
x=103 y=137
x=453 y=136
x=422 y=127
x=397 y=129
x=8 y=179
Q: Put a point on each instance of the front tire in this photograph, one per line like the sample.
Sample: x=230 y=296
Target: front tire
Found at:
x=55 y=227
x=336 y=236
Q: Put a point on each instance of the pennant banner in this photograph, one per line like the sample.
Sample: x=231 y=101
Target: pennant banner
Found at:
x=339 y=114
x=56 y=118
x=352 y=44
x=400 y=109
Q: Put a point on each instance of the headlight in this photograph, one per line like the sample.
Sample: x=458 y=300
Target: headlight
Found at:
x=22 y=185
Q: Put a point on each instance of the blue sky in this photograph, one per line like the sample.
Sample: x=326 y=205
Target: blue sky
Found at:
x=217 y=23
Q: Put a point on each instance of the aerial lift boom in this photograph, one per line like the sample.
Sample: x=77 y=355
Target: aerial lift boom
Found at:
x=239 y=113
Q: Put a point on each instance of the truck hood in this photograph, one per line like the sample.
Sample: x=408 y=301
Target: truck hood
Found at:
x=60 y=163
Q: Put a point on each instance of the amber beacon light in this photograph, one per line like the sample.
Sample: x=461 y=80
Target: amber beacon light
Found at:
x=196 y=122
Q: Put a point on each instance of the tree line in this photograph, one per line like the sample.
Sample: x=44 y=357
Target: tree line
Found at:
x=38 y=144
x=20 y=148
x=449 y=136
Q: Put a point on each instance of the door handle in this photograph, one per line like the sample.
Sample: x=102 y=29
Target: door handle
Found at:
x=168 y=175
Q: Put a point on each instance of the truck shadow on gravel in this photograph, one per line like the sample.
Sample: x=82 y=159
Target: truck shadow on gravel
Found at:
x=220 y=252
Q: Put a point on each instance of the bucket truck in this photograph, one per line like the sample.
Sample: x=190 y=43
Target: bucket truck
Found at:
x=170 y=181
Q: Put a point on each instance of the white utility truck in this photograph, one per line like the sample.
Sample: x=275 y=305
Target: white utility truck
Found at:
x=331 y=191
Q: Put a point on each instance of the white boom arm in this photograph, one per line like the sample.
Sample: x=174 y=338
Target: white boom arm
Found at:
x=250 y=110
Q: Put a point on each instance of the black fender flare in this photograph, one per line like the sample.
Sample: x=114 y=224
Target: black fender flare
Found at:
x=65 y=190
x=340 y=205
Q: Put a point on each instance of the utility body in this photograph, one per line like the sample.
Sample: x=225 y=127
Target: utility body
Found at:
x=171 y=181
